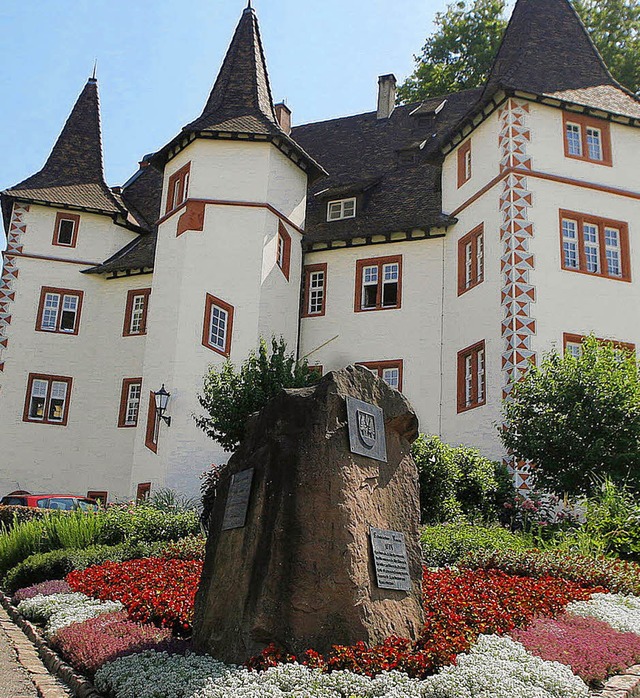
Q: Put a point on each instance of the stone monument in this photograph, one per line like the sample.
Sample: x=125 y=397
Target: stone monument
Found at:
x=313 y=537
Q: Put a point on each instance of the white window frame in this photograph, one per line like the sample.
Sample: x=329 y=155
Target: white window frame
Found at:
x=611 y=250
x=220 y=332
x=570 y=242
x=575 y=130
x=316 y=292
x=54 y=307
x=138 y=303
x=370 y=282
x=48 y=389
x=594 y=138
x=132 y=408
x=341 y=209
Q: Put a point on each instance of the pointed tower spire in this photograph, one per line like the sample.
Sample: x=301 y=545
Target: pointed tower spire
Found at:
x=546 y=48
x=242 y=89
x=73 y=173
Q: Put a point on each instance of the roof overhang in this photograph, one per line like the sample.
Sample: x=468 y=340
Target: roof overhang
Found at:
x=281 y=141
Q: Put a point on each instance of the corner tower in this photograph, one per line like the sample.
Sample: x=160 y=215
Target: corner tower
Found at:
x=228 y=257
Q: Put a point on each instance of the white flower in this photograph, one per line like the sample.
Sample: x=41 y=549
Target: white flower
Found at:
x=40 y=608
x=621 y=612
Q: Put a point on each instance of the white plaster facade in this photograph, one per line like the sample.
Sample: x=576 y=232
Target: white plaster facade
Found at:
x=248 y=190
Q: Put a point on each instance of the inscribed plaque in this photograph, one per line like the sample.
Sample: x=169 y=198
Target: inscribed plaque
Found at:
x=390 y=559
x=235 y=512
x=366 y=429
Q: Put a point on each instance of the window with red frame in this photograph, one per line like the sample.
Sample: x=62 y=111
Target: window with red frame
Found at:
x=178 y=188
x=153 y=425
x=464 y=163
x=47 y=399
x=130 y=397
x=65 y=232
x=315 y=290
x=471 y=260
x=594 y=245
x=389 y=371
x=472 y=377
x=59 y=310
x=586 y=138
x=572 y=344
x=135 y=316
x=143 y=491
x=283 y=255
x=101 y=496
x=218 y=325
x=378 y=283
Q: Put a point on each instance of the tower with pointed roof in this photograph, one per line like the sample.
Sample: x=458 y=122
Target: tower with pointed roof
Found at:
x=232 y=211
x=443 y=245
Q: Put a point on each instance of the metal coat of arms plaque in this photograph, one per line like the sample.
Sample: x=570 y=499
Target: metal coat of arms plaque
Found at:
x=366 y=429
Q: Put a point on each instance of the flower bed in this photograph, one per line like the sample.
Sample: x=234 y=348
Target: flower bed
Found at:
x=53 y=586
x=459 y=606
x=592 y=648
x=615 y=575
x=94 y=642
x=60 y=610
x=496 y=667
x=153 y=590
x=620 y=612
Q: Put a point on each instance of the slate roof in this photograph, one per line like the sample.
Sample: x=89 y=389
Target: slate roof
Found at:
x=546 y=50
x=138 y=254
x=241 y=102
x=393 y=165
x=73 y=174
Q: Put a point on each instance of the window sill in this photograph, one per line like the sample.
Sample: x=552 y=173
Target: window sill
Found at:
x=584 y=158
x=595 y=275
x=462 y=291
x=372 y=310
x=468 y=408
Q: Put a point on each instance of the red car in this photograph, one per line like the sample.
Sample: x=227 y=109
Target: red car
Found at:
x=63 y=502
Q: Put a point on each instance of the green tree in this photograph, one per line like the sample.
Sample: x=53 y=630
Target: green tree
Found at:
x=460 y=53
x=229 y=396
x=614 y=26
x=577 y=418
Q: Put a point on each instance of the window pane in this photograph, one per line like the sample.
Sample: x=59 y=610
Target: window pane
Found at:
x=390 y=294
x=280 y=252
x=137 y=314
x=594 y=143
x=38 y=399
x=481 y=376
x=65 y=231
x=370 y=275
x=591 y=247
x=58 y=398
x=316 y=291
x=50 y=311
x=369 y=296
x=613 y=253
x=69 y=312
x=468 y=264
x=574 y=139
x=335 y=211
x=574 y=349
x=468 y=379
x=391 y=272
x=133 y=403
x=570 y=244
x=480 y=257
x=218 y=328
x=391 y=376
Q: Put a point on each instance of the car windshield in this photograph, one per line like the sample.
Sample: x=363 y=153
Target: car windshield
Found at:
x=13 y=501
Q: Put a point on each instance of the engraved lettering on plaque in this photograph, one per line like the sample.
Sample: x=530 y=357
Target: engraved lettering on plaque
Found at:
x=235 y=512
x=366 y=429
x=390 y=559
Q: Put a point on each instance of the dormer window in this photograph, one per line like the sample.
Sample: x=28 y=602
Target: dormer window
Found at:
x=178 y=189
x=65 y=233
x=343 y=208
x=587 y=139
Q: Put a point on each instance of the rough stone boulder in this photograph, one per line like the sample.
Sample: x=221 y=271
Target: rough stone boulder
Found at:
x=300 y=571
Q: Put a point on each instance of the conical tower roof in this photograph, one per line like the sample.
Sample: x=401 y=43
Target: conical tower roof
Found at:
x=547 y=50
x=242 y=90
x=73 y=174
x=240 y=102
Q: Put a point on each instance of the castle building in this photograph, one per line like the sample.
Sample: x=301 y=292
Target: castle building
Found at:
x=443 y=245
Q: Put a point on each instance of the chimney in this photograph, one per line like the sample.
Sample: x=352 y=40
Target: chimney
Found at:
x=283 y=114
x=386 y=95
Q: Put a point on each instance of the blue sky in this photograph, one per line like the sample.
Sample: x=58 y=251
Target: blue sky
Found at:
x=157 y=60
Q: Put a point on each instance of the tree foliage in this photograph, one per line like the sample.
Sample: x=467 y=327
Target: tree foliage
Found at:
x=460 y=53
x=229 y=396
x=458 y=483
x=577 y=418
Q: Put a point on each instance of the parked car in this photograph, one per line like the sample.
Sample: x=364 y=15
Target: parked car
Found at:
x=62 y=502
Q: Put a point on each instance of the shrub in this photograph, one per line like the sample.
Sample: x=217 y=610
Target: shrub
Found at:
x=152 y=590
x=144 y=523
x=458 y=482
x=445 y=544
x=58 y=563
x=592 y=648
x=94 y=642
x=616 y=575
x=55 y=586
x=189 y=548
x=11 y=514
x=52 y=531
